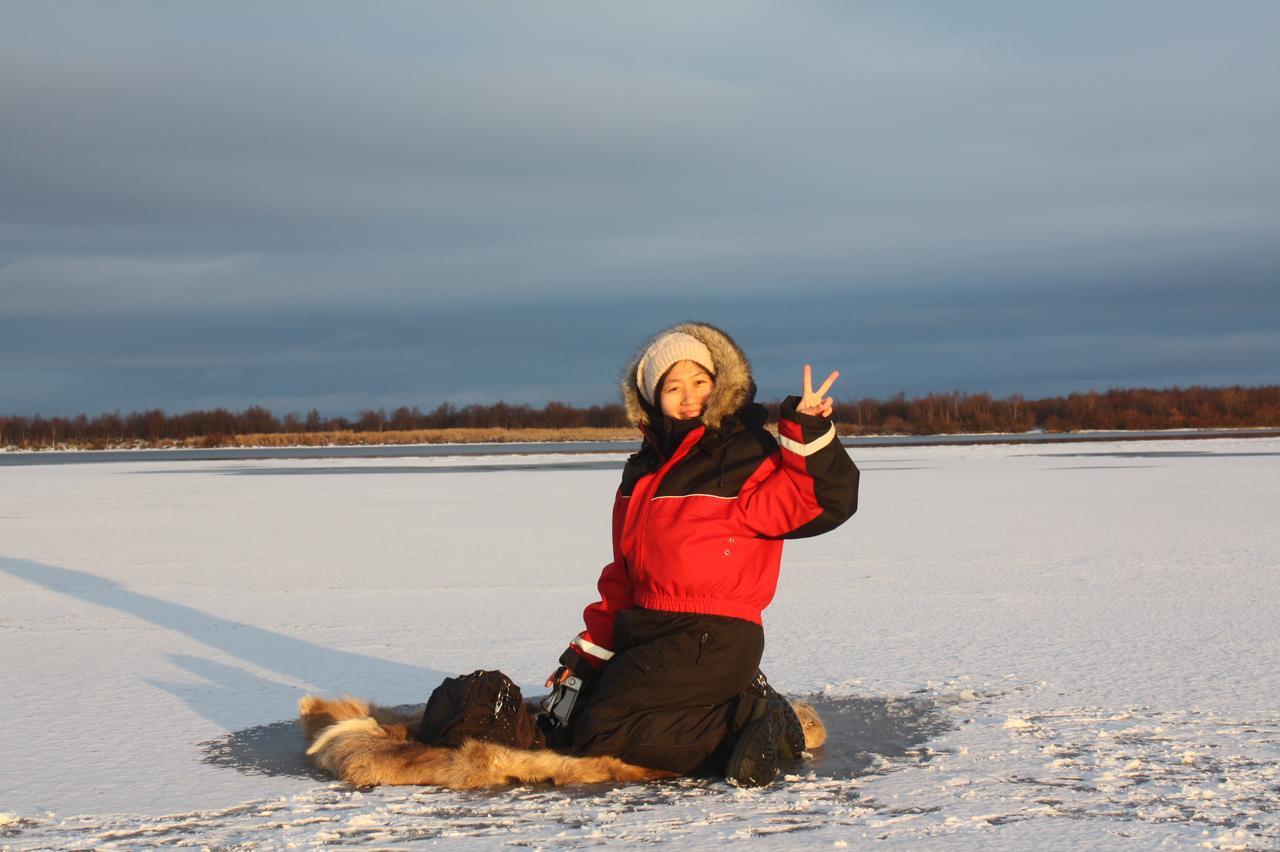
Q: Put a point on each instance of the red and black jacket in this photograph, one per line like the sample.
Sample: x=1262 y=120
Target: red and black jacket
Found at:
x=701 y=530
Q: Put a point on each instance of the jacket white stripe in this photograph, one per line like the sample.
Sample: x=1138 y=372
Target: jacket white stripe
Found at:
x=684 y=496
x=593 y=649
x=811 y=447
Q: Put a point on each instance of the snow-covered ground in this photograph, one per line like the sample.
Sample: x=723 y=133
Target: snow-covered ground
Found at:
x=1029 y=646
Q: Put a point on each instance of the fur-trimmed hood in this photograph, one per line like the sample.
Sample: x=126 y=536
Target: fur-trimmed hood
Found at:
x=734 y=387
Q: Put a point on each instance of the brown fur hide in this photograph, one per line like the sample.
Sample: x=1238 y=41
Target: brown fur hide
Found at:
x=367 y=745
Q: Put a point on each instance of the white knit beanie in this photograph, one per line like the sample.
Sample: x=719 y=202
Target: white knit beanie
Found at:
x=665 y=352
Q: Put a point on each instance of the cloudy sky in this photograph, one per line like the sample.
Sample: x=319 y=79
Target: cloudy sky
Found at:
x=353 y=205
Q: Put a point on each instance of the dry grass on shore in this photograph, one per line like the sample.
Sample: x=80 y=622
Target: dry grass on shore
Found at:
x=370 y=439
x=413 y=436
x=353 y=439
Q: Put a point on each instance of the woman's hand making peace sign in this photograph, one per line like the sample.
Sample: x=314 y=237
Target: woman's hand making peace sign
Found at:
x=815 y=402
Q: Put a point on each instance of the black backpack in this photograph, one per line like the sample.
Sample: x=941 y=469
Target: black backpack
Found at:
x=483 y=705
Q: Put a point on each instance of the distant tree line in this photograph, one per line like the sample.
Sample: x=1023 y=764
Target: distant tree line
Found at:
x=937 y=413
x=155 y=427
x=1127 y=409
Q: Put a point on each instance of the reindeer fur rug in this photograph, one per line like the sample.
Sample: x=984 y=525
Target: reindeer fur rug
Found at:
x=367 y=745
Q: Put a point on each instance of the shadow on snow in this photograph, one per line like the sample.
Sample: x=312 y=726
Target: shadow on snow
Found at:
x=861 y=730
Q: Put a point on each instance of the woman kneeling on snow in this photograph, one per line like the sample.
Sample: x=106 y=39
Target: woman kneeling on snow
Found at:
x=671 y=651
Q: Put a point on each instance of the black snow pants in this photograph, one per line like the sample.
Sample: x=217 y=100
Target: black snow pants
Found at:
x=672 y=696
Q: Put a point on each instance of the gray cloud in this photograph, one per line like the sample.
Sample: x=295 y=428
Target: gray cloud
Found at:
x=400 y=203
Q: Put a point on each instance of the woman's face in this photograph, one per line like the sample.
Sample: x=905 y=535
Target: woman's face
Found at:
x=684 y=390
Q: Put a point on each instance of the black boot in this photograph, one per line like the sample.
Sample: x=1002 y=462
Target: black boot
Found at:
x=754 y=759
x=791 y=733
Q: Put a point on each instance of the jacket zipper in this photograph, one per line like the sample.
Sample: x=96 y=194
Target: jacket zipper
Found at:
x=702 y=643
x=642 y=519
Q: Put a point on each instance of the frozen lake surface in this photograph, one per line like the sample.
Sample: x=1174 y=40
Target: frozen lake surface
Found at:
x=1030 y=646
